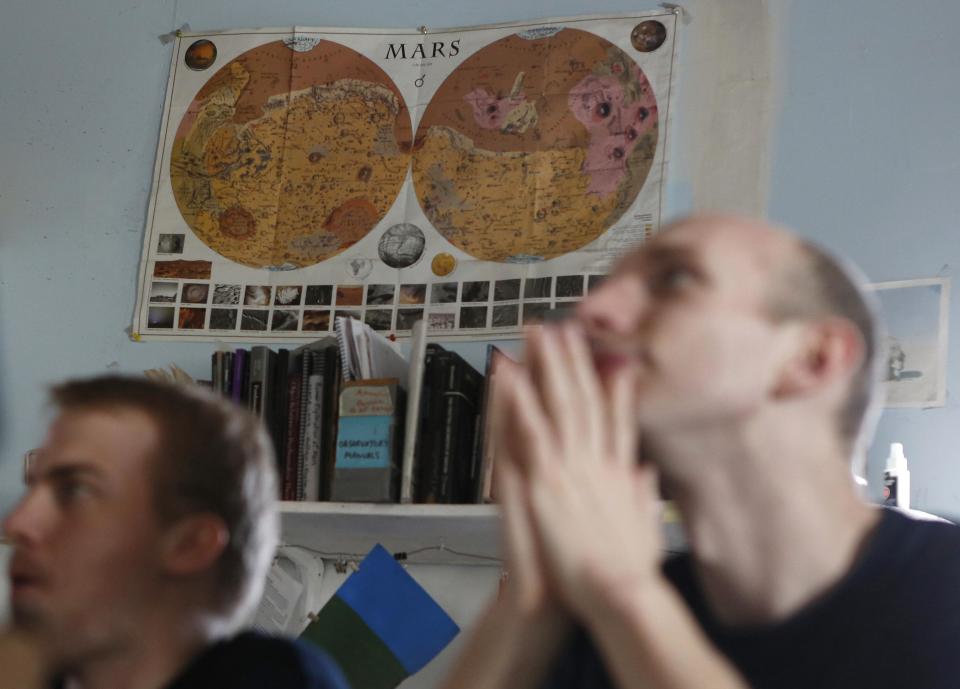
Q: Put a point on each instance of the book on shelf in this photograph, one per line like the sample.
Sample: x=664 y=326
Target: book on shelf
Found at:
x=330 y=420
x=307 y=452
x=222 y=372
x=238 y=379
x=452 y=404
x=294 y=435
x=414 y=412
x=369 y=437
x=260 y=382
x=307 y=378
x=277 y=424
x=317 y=377
x=434 y=433
x=482 y=456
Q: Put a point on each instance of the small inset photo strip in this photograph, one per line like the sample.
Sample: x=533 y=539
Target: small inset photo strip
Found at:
x=349 y=295
x=537 y=288
x=535 y=313
x=163 y=292
x=285 y=321
x=348 y=313
x=194 y=293
x=473 y=317
x=443 y=292
x=380 y=295
x=288 y=296
x=594 y=281
x=506 y=316
x=441 y=320
x=569 y=286
x=226 y=294
x=223 y=319
x=413 y=294
x=379 y=319
x=475 y=292
x=316 y=321
x=257 y=295
x=160 y=317
x=506 y=290
x=407 y=317
x=319 y=295
x=254 y=319
x=191 y=318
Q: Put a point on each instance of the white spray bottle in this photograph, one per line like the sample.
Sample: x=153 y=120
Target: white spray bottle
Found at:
x=896 y=479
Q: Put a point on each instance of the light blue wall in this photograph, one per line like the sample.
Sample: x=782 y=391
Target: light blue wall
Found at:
x=867 y=161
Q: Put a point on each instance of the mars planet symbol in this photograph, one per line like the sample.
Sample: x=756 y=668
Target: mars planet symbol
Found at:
x=359 y=268
x=200 y=55
x=401 y=245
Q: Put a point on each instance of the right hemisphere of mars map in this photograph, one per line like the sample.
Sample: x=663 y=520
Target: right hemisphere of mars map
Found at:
x=535 y=145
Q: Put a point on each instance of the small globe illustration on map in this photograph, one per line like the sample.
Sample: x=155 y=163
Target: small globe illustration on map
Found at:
x=443 y=264
x=200 y=55
x=401 y=245
x=288 y=157
x=535 y=145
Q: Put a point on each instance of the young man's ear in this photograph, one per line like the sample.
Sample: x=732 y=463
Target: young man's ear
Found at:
x=826 y=351
x=194 y=543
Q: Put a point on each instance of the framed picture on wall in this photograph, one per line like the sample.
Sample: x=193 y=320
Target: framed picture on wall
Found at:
x=916 y=315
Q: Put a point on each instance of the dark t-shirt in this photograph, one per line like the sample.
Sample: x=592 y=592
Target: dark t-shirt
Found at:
x=892 y=623
x=255 y=661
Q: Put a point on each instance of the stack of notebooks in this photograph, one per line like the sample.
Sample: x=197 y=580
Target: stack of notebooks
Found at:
x=352 y=420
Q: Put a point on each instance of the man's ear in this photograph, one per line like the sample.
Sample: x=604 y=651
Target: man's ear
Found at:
x=826 y=351
x=193 y=543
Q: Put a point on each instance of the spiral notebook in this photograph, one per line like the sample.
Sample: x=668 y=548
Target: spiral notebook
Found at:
x=366 y=354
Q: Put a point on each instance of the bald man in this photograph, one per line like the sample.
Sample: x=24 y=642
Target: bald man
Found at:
x=745 y=359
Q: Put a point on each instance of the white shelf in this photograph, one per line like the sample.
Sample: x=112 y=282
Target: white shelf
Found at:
x=454 y=534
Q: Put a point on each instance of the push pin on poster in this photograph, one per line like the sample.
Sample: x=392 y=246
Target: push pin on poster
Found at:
x=678 y=10
x=176 y=33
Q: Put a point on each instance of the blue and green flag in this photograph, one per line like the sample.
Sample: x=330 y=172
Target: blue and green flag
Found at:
x=381 y=626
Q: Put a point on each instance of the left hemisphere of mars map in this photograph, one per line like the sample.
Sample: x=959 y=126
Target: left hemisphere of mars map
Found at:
x=287 y=157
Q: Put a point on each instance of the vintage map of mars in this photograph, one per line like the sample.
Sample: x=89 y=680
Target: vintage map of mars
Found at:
x=477 y=178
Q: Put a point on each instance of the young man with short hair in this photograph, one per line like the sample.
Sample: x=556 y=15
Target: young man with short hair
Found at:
x=143 y=542
x=745 y=360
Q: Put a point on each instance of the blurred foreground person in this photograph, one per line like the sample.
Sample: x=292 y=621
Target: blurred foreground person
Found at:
x=20 y=659
x=143 y=542
x=745 y=359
